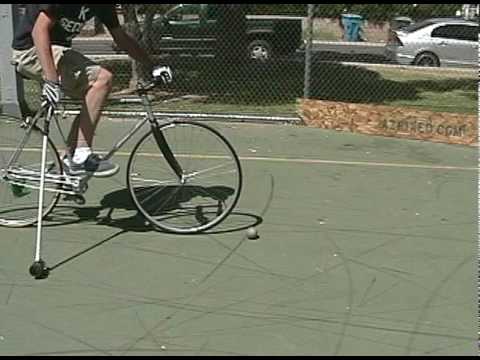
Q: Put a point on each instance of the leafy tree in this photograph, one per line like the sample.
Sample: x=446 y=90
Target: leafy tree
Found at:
x=372 y=12
x=141 y=32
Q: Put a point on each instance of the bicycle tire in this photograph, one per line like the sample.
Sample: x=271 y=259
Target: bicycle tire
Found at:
x=192 y=205
x=19 y=204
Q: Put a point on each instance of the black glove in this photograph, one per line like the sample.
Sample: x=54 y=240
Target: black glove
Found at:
x=163 y=74
x=52 y=92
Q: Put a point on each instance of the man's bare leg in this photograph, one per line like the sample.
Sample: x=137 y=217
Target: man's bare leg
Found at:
x=83 y=128
x=80 y=139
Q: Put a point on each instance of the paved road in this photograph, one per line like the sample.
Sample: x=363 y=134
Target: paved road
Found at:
x=361 y=48
x=367 y=247
x=368 y=52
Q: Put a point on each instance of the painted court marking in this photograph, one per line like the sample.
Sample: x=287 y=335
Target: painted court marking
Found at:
x=301 y=161
x=320 y=161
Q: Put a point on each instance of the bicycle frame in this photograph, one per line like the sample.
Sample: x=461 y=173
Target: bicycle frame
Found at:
x=149 y=117
x=38 y=269
x=155 y=125
x=76 y=181
x=30 y=124
x=28 y=175
x=24 y=177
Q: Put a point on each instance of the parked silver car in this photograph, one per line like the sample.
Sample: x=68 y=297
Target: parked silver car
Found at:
x=435 y=42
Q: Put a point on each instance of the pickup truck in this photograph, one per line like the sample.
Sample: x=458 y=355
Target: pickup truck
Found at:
x=191 y=29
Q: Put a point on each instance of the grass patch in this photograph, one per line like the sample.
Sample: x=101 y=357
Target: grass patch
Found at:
x=456 y=101
x=443 y=91
x=274 y=89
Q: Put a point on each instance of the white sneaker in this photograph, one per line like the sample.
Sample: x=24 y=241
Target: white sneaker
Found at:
x=94 y=165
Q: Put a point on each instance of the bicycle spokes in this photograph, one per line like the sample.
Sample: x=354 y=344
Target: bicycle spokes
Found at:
x=199 y=197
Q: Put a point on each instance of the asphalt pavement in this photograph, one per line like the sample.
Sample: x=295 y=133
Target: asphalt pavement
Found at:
x=367 y=247
x=361 y=51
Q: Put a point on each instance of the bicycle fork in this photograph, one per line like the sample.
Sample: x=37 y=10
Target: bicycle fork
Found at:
x=39 y=269
x=167 y=152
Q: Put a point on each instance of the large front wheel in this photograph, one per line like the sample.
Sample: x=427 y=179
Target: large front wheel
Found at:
x=191 y=191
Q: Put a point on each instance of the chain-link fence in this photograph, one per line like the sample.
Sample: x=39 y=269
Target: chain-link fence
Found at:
x=230 y=59
x=401 y=70
x=437 y=44
x=261 y=59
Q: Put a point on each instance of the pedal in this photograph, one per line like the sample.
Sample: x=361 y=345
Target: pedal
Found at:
x=19 y=191
x=26 y=122
x=77 y=199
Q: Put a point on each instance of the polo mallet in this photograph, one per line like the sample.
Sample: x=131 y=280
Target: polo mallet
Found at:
x=39 y=269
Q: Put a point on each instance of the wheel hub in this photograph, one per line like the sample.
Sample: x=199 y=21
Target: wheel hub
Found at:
x=259 y=53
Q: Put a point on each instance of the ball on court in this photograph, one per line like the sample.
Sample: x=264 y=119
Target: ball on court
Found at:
x=252 y=233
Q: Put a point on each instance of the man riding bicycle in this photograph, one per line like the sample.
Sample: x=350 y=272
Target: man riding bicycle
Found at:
x=42 y=51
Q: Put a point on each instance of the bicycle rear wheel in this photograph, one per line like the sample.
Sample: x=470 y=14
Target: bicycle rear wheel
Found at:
x=203 y=196
x=19 y=182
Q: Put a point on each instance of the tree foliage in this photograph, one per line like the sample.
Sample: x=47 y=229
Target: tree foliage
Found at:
x=372 y=12
x=132 y=13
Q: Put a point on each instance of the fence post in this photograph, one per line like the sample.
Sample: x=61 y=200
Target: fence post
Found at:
x=308 y=51
x=12 y=95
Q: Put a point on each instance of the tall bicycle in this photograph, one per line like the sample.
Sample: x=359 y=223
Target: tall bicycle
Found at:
x=184 y=177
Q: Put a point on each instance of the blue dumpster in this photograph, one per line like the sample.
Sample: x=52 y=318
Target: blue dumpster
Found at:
x=352 y=25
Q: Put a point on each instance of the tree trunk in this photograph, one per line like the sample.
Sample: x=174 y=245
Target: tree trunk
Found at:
x=144 y=39
x=132 y=28
x=231 y=52
x=148 y=35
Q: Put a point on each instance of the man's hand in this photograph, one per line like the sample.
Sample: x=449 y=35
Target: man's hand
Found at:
x=52 y=92
x=163 y=74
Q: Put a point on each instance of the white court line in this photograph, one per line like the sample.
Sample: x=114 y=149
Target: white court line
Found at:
x=327 y=162
x=362 y=163
x=299 y=161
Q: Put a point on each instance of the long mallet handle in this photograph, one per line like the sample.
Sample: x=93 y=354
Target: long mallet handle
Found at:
x=43 y=164
x=40 y=198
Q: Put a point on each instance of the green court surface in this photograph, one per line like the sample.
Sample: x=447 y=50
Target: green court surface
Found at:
x=368 y=246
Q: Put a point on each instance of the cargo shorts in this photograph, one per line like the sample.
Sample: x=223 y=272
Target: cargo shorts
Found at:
x=76 y=71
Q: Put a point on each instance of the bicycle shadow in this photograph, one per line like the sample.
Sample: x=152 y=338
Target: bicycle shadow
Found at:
x=120 y=201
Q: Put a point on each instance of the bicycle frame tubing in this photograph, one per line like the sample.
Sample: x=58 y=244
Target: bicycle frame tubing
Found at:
x=45 y=109
x=158 y=135
x=150 y=117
